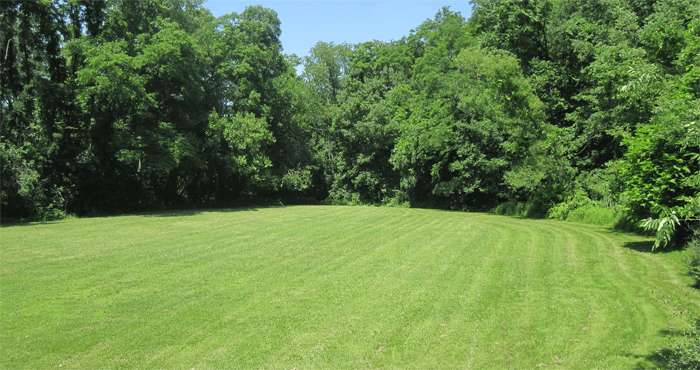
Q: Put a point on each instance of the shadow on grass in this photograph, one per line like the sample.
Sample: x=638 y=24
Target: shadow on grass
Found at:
x=194 y=212
x=14 y=223
x=656 y=360
x=156 y=213
x=234 y=206
x=661 y=357
x=159 y=213
x=671 y=333
x=178 y=210
x=645 y=246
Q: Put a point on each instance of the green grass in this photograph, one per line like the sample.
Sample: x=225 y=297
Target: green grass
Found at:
x=318 y=287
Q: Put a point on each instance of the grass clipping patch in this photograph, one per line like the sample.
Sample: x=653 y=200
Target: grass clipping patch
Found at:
x=335 y=287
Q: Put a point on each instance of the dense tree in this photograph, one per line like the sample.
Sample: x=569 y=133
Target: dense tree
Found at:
x=455 y=148
x=662 y=166
x=603 y=69
x=36 y=114
x=326 y=66
x=112 y=105
x=107 y=105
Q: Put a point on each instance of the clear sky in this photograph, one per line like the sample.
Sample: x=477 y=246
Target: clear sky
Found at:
x=306 y=22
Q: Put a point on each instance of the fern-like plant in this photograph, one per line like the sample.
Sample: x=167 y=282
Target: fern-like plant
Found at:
x=664 y=227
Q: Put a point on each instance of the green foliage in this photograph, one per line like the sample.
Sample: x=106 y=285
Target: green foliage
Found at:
x=596 y=199
x=362 y=136
x=326 y=68
x=34 y=121
x=662 y=163
x=664 y=227
x=580 y=208
x=561 y=210
x=692 y=258
x=570 y=108
x=457 y=141
x=605 y=71
x=520 y=209
x=242 y=140
x=601 y=216
x=685 y=353
x=106 y=106
x=521 y=27
x=400 y=200
x=655 y=172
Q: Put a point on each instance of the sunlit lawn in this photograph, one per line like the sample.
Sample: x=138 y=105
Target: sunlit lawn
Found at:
x=334 y=287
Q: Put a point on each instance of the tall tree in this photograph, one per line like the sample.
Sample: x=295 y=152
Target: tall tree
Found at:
x=34 y=112
x=326 y=66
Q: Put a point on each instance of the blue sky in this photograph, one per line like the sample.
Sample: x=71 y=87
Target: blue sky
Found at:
x=306 y=22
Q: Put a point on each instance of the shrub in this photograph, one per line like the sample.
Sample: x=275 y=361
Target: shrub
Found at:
x=580 y=208
x=561 y=210
x=506 y=209
x=597 y=215
x=692 y=260
x=685 y=354
x=530 y=209
x=400 y=199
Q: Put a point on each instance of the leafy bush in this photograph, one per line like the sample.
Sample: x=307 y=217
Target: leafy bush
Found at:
x=560 y=211
x=692 y=260
x=685 y=355
x=400 y=200
x=693 y=264
x=595 y=199
x=522 y=209
x=581 y=208
x=597 y=215
x=671 y=219
x=660 y=174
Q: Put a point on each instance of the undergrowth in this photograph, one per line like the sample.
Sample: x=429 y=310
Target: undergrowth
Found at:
x=692 y=259
x=519 y=209
x=685 y=353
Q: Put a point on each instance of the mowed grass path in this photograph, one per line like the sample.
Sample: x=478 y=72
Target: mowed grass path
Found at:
x=318 y=287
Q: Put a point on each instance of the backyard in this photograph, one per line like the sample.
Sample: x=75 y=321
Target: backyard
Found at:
x=314 y=287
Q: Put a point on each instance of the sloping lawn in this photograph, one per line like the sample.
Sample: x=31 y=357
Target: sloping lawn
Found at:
x=319 y=287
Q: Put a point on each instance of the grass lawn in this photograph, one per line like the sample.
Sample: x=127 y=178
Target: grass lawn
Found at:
x=319 y=287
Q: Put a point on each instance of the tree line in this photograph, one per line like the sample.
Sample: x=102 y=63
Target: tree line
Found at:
x=115 y=106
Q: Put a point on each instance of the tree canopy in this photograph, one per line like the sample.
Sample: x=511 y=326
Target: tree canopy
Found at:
x=113 y=106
